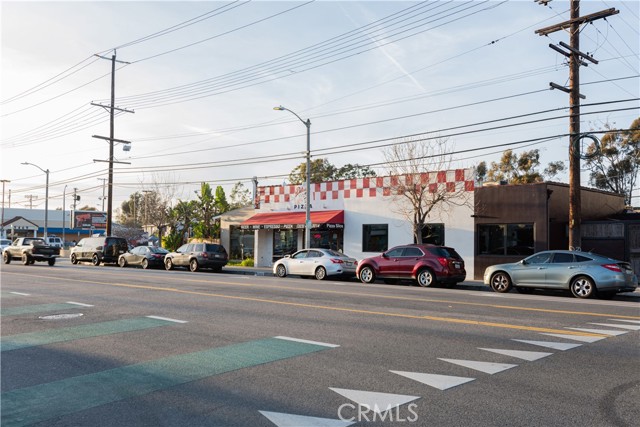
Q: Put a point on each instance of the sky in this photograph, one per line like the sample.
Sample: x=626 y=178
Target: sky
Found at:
x=196 y=83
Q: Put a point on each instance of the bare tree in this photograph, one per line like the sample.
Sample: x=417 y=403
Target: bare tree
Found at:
x=418 y=182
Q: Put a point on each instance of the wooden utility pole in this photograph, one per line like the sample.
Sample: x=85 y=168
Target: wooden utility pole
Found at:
x=575 y=61
x=111 y=139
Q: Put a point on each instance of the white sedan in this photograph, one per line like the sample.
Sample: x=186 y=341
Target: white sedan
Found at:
x=319 y=263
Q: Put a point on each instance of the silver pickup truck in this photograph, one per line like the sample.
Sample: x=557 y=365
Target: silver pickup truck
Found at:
x=29 y=250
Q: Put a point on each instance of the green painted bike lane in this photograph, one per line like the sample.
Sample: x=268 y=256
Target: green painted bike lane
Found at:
x=42 y=402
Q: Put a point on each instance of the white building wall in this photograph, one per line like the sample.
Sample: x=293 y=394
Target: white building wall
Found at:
x=367 y=201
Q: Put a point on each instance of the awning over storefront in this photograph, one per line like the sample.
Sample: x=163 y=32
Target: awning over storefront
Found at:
x=293 y=220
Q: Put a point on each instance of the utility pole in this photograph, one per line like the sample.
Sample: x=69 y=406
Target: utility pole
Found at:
x=2 y=234
x=112 y=108
x=30 y=197
x=575 y=61
x=104 y=181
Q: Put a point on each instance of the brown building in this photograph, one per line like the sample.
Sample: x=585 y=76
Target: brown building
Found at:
x=512 y=221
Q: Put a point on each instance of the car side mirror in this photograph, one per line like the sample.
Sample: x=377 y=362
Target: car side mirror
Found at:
x=287 y=256
x=524 y=262
x=384 y=255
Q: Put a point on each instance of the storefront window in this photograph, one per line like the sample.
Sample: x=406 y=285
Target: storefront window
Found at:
x=241 y=243
x=433 y=234
x=327 y=239
x=505 y=239
x=375 y=237
x=285 y=242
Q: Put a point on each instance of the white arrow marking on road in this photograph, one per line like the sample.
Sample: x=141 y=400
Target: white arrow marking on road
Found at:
x=582 y=338
x=290 y=420
x=625 y=320
x=599 y=331
x=486 y=367
x=375 y=401
x=441 y=382
x=525 y=355
x=611 y=325
x=554 y=345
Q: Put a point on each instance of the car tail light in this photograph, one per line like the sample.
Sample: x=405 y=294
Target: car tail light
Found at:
x=613 y=267
x=443 y=261
x=337 y=261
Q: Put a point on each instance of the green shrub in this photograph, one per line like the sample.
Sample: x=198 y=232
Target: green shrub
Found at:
x=247 y=262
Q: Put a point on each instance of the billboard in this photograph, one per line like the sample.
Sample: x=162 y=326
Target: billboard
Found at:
x=90 y=220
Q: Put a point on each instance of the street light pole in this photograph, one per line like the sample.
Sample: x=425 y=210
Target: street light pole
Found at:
x=307 y=224
x=2 y=234
x=46 y=199
x=64 y=214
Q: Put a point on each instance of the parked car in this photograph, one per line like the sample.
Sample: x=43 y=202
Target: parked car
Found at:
x=98 y=250
x=197 y=256
x=426 y=264
x=144 y=256
x=4 y=243
x=29 y=250
x=318 y=263
x=583 y=273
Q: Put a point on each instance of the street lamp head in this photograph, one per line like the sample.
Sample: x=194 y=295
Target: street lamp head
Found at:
x=280 y=108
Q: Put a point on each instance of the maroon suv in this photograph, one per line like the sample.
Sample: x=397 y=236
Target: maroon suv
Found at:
x=426 y=264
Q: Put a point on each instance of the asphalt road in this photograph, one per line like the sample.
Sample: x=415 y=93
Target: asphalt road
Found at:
x=78 y=349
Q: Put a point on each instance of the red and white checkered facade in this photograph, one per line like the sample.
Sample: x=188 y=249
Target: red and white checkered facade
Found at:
x=451 y=180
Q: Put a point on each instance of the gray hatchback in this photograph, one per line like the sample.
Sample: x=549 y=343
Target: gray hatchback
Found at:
x=197 y=256
x=583 y=273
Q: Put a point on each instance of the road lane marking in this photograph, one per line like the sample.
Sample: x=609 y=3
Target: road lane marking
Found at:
x=611 y=325
x=529 y=356
x=359 y=294
x=600 y=331
x=486 y=367
x=341 y=309
x=292 y=420
x=56 y=399
x=308 y=342
x=21 y=294
x=79 y=303
x=562 y=346
x=168 y=319
x=628 y=321
x=581 y=338
x=375 y=401
x=441 y=382
x=39 y=308
x=33 y=339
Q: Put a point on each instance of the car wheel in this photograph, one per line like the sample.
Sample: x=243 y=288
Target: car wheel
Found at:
x=281 y=270
x=583 y=287
x=6 y=258
x=367 y=275
x=26 y=260
x=122 y=262
x=51 y=262
x=193 y=265
x=74 y=259
x=426 y=278
x=145 y=263
x=524 y=290
x=95 y=259
x=321 y=273
x=501 y=282
x=168 y=264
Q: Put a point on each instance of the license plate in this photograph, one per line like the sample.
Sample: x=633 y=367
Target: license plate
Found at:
x=456 y=265
x=348 y=264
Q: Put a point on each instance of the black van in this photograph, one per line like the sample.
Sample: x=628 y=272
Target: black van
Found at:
x=99 y=250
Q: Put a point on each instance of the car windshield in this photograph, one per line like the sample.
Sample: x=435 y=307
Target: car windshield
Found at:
x=158 y=250
x=445 y=252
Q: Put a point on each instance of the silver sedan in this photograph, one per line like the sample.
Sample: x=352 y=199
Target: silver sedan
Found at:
x=583 y=273
x=319 y=263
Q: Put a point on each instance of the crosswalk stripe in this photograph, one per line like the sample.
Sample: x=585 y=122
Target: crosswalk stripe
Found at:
x=551 y=344
x=291 y=420
x=581 y=338
x=32 y=339
x=42 y=402
x=375 y=401
x=625 y=320
x=611 y=325
x=600 y=331
x=529 y=356
x=441 y=382
x=486 y=367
